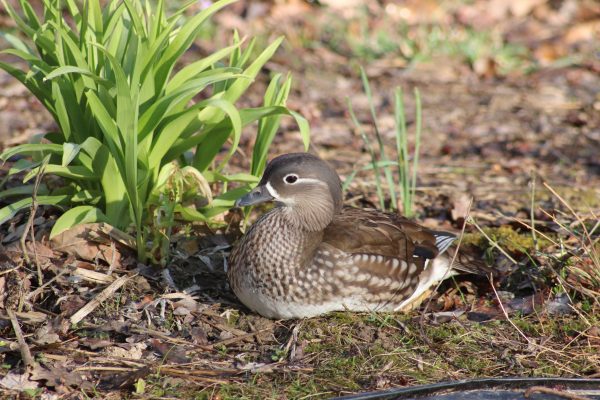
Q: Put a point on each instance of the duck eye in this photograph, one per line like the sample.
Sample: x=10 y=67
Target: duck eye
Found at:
x=291 y=178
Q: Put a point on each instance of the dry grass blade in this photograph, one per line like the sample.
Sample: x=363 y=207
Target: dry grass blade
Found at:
x=505 y=313
x=490 y=240
x=588 y=244
x=588 y=275
x=96 y=301
x=93 y=276
x=532 y=228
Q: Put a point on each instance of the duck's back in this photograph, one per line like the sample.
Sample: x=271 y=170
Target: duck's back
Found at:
x=388 y=258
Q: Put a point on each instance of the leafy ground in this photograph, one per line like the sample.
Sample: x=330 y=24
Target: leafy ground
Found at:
x=511 y=111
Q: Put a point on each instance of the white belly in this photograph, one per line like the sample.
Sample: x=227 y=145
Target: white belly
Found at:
x=268 y=307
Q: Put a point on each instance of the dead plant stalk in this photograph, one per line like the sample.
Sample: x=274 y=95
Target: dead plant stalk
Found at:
x=29 y=224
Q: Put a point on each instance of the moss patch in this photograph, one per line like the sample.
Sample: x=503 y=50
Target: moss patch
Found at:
x=507 y=238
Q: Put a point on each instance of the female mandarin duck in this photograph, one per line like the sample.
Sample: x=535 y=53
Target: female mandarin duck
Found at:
x=311 y=255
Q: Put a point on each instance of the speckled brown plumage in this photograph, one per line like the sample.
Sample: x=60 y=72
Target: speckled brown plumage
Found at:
x=309 y=255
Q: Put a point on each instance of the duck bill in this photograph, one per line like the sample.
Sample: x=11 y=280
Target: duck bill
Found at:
x=258 y=195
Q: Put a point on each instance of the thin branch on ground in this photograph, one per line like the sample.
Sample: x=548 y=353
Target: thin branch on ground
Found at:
x=554 y=392
x=96 y=301
x=29 y=225
x=26 y=356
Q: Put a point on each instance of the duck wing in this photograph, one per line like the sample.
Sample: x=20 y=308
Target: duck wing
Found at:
x=364 y=231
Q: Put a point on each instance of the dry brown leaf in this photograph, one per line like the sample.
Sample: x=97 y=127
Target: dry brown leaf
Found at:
x=70 y=304
x=58 y=377
x=46 y=335
x=133 y=351
x=95 y=344
x=82 y=241
x=460 y=207
x=173 y=353
x=20 y=382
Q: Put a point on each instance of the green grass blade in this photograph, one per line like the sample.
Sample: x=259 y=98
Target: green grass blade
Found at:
x=71 y=69
x=190 y=214
x=379 y=164
x=417 y=145
x=77 y=216
x=267 y=127
x=35 y=86
x=70 y=151
x=107 y=125
x=191 y=71
x=174 y=129
x=174 y=101
x=24 y=190
x=183 y=40
x=111 y=180
x=24 y=26
x=30 y=58
x=169 y=133
x=74 y=53
x=71 y=172
x=8 y=212
x=233 y=93
x=304 y=128
x=134 y=14
x=113 y=27
x=95 y=18
x=61 y=111
x=402 y=150
x=31 y=149
x=362 y=133
x=74 y=11
x=247 y=115
x=32 y=19
x=382 y=155
x=18 y=45
x=157 y=20
x=209 y=150
x=127 y=127
x=212 y=176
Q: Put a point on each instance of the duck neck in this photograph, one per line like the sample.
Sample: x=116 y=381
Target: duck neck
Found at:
x=310 y=217
x=278 y=230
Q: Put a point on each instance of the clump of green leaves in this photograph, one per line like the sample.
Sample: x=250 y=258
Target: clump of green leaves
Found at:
x=107 y=76
x=381 y=163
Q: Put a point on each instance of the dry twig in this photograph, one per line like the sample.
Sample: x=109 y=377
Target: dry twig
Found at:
x=96 y=301
x=23 y=347
x=29 y=224
x=559 y=393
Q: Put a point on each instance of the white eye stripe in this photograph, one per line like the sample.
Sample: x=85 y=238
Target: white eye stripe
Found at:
x=310 y=180
x=272 y=191
x=302 y=180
